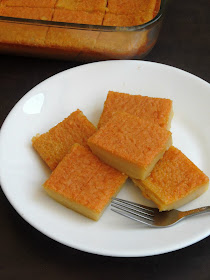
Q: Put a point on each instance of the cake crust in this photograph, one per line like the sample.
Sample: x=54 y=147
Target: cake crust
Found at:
x=20 y=34
x=130 y=144
x=84 y=183
x=174 y=181
x=29 y=3
x=53 y=145
x=124 y=7
x=158 y=110
x=82 y=5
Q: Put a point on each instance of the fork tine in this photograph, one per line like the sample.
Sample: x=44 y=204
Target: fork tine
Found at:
x=145 y=208
x=135 y=208
x=140 y=220
x=132 y=210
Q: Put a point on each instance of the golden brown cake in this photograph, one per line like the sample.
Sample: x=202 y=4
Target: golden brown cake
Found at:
x=73 y=40
x=29 y=3
x=78 y=44
x=157 y=7
x=123 y=7
x=174 y=181
x=53 y=145
x=82 y=5
x=83 y=183
x=158 y=110
x=123 y=20
x=130 y=144
x=119 y=45
x=83 y=17
x=21 y=34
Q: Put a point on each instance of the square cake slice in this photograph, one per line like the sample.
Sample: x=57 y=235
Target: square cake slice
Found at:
x=82 y=5
x=174 y=181
x=83 y=183
x=53 y=145
x=130 y=144
x=158 y=110
x=131 y=7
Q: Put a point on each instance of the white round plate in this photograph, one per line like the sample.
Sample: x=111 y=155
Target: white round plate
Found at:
x=85 y=87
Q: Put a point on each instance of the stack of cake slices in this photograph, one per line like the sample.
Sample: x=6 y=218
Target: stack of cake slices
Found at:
x=89 y=166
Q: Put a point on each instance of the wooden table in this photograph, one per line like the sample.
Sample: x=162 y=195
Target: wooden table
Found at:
x=184 y=42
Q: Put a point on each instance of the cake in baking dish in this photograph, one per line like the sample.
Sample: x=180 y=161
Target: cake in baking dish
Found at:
x=73 y=39
x=174 y=181
x=29 y=3
x=53 y=145
x=83 y=183
x=77 y=43
x=82 y=5
x=130 y=144
x=124 y=7
x=124 y=20
x=24 y=34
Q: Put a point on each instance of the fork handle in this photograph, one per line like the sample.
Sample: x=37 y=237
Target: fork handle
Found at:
x=194 y=211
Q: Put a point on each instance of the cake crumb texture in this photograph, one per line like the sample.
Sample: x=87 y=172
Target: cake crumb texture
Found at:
x=53 y=145
x=73 y=39
x=83 y=179
x=82 y=5
x=20 y=33
x=29 y=3
x=150 y=108
x=131 y=138
x=78 y=43
x=124 y=20
x=174 y=177
x=123 y=7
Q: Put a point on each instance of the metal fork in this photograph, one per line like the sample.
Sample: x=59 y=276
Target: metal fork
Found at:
x=151 y=216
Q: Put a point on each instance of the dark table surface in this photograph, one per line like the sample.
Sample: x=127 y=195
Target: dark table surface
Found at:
x=26 y=253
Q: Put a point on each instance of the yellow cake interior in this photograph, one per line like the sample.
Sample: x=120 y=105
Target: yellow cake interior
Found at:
x=83 y=183
x=130 y=144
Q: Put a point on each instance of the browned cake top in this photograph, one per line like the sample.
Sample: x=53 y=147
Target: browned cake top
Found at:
x=29 y=3
x=25 y=12
x=124 y=20
x=82 y=5
x=174 y=177
x=76 y=16
x=24 y=34
x=131 y=6
x=131 y=138
x=81 y=177
x=54 y=144
x=154 y=109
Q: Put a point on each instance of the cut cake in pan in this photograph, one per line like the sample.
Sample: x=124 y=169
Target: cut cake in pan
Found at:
x=158 y=110
x=20 y=34
x=82 y=5
x=73 y=40
x=124 y=20
x=124 y=7
x=29 y=3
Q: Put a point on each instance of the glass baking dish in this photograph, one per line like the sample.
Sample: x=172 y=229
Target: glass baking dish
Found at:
x=79 y=42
